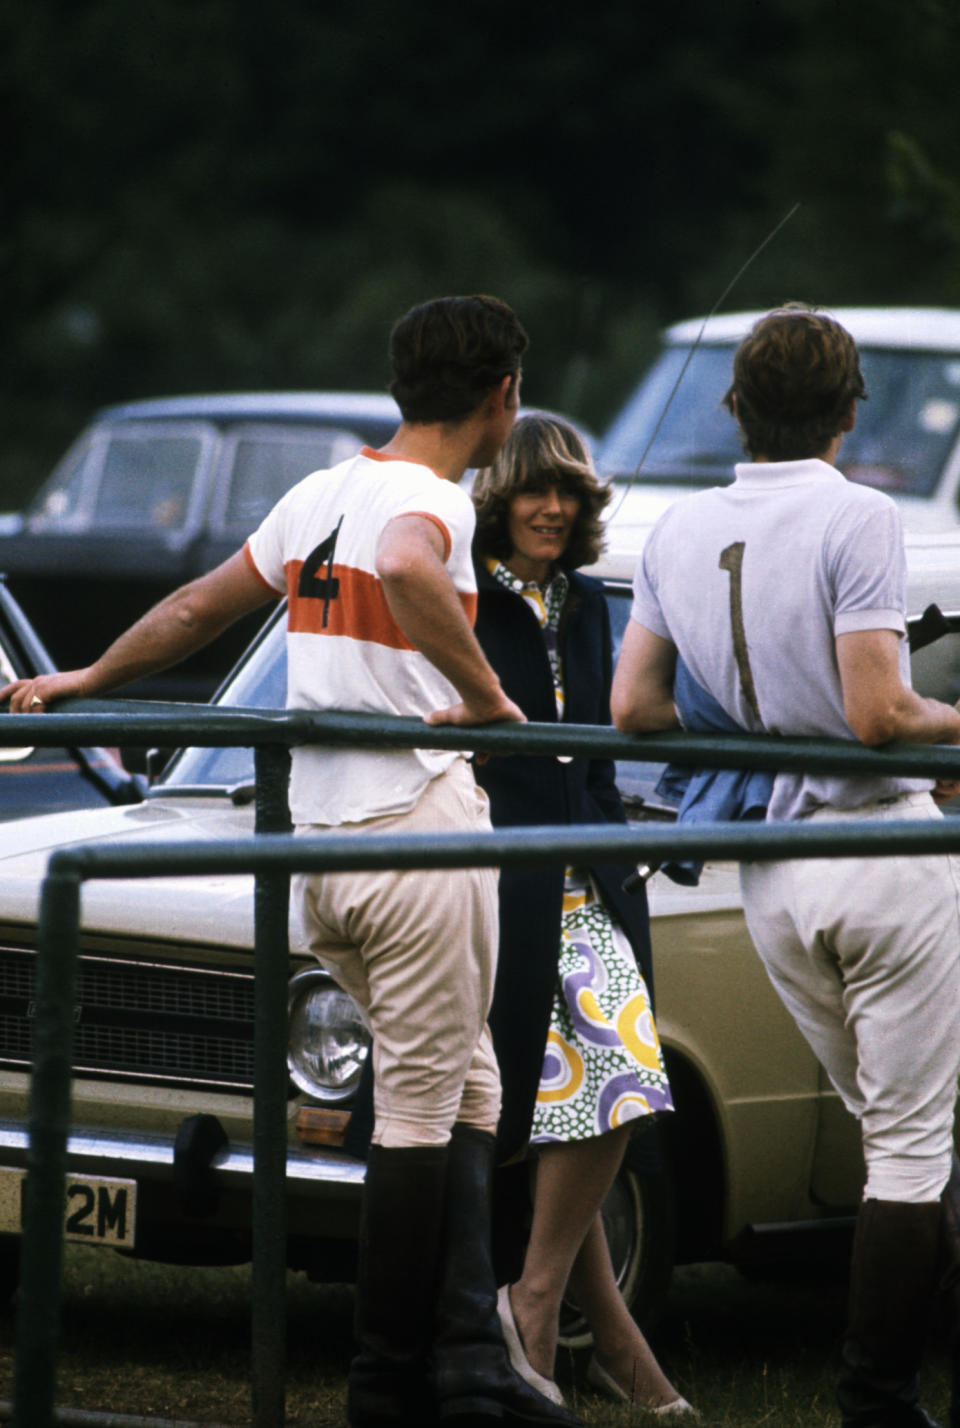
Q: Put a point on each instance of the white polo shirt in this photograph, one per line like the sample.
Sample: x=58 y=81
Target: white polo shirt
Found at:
x=344 y=649
x=752 y=583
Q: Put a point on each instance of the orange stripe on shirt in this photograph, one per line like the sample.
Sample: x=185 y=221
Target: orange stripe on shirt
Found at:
x=248 y=557
x=353 y=604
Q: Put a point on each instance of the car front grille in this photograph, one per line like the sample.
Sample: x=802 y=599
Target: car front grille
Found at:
x=140 y=1021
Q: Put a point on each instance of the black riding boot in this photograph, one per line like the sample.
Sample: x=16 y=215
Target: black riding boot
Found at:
x=950 y=1280
x=892 y=1289
x=397 y=1278
x=474 y=1380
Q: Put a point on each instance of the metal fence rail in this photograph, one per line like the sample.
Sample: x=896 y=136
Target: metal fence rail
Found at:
x=271 y=859
x=116 y=722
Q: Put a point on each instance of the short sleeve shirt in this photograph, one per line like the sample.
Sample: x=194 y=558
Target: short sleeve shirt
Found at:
x=752 y=583
x=344 y=648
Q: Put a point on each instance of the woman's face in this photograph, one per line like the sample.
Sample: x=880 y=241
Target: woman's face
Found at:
x=539 y=524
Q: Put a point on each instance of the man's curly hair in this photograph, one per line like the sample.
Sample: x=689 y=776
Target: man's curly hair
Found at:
x=448 y=354
x=795 y=376
x=541 y=451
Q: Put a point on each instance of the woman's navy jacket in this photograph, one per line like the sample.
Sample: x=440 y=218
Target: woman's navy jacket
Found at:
x=542 y=790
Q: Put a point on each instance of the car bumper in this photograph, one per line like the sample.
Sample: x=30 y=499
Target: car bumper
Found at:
x=309 y=1171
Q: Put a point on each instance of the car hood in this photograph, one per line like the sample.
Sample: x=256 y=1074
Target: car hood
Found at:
x=211 y=909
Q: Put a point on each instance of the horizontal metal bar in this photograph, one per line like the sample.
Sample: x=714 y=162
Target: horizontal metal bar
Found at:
x=116 y=722
x=536 y=846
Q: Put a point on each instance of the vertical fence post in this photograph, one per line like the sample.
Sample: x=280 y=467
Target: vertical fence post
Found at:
x=271 y=953
x=41 y=1254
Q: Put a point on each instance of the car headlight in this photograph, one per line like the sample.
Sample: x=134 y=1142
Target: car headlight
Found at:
x=328 y=1040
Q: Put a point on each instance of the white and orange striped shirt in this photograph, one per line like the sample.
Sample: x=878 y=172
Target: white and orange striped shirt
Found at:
x=344 y=649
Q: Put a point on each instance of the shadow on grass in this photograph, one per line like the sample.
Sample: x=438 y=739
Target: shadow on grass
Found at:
x=150 y=1340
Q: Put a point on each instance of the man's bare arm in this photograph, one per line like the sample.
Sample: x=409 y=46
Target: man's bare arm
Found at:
x=183 y=622
x=641 y=698
x=877 y=704
x=423 y=601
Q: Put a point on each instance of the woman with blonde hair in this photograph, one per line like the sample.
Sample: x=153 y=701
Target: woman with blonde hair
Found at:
x=572 y=1019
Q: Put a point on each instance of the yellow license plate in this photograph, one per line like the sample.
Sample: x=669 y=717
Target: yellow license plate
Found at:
x=98 y=1211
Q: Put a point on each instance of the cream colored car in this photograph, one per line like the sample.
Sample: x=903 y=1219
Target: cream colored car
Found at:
x=759 y=1163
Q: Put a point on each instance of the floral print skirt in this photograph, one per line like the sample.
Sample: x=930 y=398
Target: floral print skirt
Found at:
x=603 y=1065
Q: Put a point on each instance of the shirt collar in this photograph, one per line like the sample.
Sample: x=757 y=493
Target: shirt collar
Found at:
x=509 y=581
x=786 y=473
x=372 y=454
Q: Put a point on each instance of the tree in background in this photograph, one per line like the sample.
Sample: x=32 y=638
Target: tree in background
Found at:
x=204 y=196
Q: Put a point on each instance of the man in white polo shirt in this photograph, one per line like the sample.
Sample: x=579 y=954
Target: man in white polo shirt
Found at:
x=783 y=595
x=374 y=559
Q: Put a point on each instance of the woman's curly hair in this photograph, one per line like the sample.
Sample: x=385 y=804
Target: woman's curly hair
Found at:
x=541 y=451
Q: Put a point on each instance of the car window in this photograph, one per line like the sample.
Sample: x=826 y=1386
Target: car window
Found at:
x=60 y=501
x=260 y=682
x=265 y=465
x=903 y=436
x=689 y=434
x=907 y=427
x=147 y=478
x=121 y=478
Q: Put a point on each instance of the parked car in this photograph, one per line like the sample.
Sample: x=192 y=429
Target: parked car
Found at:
x=673 y=435
x=154 y=493
x=761 y=1162
x=40 y=780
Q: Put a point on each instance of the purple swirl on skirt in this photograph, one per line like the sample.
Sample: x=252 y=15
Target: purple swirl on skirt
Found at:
x=628 y=1089
x=591 y=978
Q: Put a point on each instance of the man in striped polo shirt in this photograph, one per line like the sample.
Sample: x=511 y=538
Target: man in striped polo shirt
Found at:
x=374 y=559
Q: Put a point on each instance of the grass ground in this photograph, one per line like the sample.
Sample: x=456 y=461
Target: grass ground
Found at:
x=145 y=1340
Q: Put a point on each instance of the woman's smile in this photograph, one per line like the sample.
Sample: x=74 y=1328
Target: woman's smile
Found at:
x=539 y=524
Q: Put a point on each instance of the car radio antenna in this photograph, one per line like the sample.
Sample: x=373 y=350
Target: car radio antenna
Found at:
x=689 y=357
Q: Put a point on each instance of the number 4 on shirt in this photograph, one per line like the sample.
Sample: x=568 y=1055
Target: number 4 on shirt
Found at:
x=313 y=586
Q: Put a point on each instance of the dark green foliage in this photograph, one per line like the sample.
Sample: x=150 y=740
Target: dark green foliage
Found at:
x=202 y=194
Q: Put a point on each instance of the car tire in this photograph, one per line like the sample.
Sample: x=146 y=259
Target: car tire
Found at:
x=638 y=1218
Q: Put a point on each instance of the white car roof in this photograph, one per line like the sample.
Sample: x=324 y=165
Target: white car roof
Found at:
x=937 y=328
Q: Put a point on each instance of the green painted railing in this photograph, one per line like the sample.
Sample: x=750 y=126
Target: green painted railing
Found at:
x=271 y=859
x=138 y=722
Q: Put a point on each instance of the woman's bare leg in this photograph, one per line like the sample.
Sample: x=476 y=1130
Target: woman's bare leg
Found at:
x=619 y=1344
x=572 y=1179
x=567 y=1243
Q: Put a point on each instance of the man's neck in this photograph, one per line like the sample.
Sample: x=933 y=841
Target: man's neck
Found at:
x=442 y=446
x=829 y=456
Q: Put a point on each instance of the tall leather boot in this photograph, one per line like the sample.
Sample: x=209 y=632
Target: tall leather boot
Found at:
x=950 y=1278
x=892 y=1289
x=475 y=1382
x=389 y=1384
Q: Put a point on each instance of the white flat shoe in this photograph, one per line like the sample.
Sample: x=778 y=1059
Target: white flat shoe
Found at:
x=515 y=1352
x=605 y=1383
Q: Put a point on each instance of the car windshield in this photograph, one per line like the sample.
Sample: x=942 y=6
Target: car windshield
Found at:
x=127 y=479
x=260 y=682
x=904 y=431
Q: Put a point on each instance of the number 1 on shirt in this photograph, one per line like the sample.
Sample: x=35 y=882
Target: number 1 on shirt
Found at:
x=731 y=560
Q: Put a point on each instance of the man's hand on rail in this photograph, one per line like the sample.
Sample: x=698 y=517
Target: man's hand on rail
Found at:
x=492 y=709
x=31 y=696
x=469 y=713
